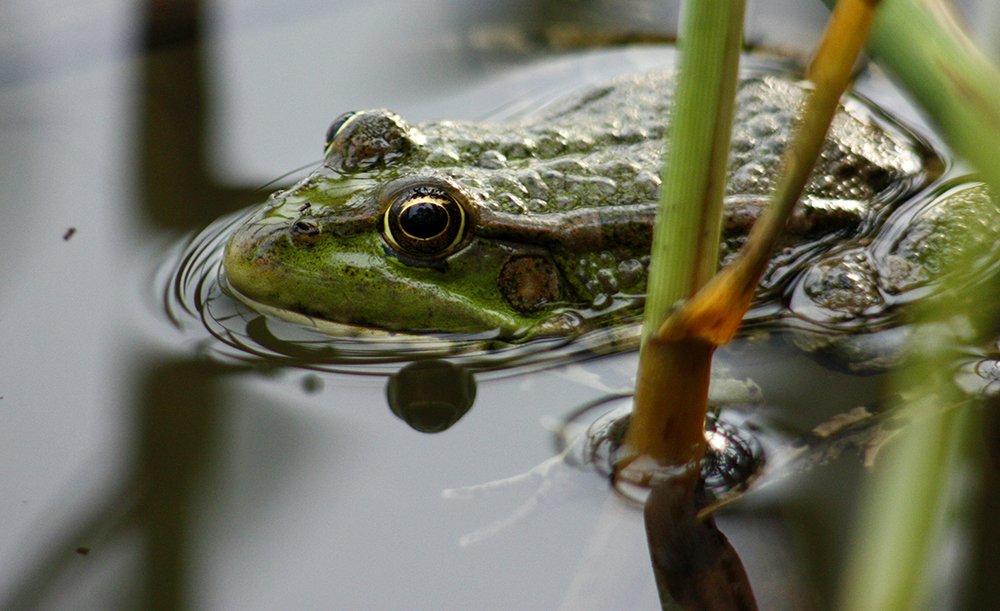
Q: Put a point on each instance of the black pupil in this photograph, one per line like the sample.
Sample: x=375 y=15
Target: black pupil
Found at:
x=424 y=220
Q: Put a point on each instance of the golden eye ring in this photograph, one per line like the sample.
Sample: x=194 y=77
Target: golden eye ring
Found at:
x=424 y=222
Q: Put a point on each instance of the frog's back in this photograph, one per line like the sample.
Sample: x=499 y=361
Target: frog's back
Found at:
x=604 y=146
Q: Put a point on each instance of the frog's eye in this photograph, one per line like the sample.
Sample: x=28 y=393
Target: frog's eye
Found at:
x=424 y=222
x=366 y=139
x=335 y=128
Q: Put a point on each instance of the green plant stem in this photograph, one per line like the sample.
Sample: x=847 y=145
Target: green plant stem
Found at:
x=668 y=419
x=901 y=517
x=675 y=358
x=921 y=43
x=715 y=312
x=685 y=249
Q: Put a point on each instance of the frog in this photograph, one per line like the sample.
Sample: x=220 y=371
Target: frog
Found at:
x=540 y=225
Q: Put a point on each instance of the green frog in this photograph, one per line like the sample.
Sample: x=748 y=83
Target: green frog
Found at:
x=541 y=225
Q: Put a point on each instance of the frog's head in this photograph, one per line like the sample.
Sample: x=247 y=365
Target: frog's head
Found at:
x=377 y=237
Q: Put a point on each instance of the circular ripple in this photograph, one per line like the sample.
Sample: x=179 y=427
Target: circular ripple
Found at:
x=734 y=457
x=195 y=291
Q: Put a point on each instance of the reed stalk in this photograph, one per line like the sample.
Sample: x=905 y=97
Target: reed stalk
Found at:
x=690 y=310
x=671 y=397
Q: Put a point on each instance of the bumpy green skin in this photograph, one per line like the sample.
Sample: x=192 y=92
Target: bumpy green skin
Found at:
x=574 y=187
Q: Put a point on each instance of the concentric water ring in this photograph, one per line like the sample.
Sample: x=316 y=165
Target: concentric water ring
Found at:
x=195 y=291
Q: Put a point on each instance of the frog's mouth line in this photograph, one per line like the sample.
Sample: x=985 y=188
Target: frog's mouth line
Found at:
x=442 y=342
x=579 y=230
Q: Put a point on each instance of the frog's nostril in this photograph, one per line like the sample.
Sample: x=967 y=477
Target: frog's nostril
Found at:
x=336 y=126
x=305 y=228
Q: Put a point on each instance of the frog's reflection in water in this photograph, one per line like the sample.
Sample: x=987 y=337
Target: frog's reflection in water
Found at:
x=431 y=396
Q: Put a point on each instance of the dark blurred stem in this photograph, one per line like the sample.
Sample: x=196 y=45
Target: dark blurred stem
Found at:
x=694 y=565
x=983 y=587
x=922 y=44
